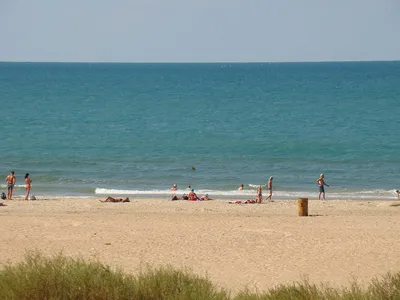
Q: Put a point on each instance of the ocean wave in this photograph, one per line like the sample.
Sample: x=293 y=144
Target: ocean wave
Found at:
x=376 y=194
x=104 y=191
x=16 y=186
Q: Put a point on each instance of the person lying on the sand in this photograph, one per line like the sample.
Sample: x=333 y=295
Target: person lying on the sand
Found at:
x=175 y=197
x=111 y=199
x=243 y=202
x=205 y=197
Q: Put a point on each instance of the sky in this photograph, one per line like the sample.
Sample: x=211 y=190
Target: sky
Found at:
x=199 y=30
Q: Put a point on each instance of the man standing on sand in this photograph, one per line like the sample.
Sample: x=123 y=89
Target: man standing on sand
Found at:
x=321 y=183
x=10 y=180
x=269 y=189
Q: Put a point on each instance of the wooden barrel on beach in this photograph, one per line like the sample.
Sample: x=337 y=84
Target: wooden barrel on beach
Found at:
x=302 y=205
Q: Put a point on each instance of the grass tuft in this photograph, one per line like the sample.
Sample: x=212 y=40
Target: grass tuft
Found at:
x=60 y=277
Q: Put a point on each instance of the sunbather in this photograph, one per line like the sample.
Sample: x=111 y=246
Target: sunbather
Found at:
x=193 y=196
x=243 y=202
x=111 y=199
x=205 y=197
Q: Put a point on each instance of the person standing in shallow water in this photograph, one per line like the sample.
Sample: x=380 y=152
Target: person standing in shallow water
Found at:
x=10 y=180
x=321 y=183
x=27 y=186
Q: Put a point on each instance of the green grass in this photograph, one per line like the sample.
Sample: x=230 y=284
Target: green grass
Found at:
x=60 y=277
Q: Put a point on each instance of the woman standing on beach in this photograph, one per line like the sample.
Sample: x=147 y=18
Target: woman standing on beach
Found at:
x=259 y=194
x=27 y=185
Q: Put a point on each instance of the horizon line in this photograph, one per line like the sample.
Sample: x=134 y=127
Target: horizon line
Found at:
x=197 y=62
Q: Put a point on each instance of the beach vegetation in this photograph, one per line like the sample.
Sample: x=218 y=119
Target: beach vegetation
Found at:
x=61 y=277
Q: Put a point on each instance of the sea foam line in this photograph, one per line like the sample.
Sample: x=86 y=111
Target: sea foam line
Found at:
x=342 y=195
x=15 y=186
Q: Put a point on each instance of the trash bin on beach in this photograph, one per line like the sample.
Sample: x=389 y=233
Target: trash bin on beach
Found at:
x=302 y=205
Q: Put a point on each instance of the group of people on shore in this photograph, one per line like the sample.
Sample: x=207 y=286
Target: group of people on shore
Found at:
x=259 y=197
x=11 y=180
x=190 y=196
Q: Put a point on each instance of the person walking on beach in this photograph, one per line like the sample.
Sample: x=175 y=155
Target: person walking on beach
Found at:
x=269 y=189
x=321 y=183
x=27 y=185
x=10 y=180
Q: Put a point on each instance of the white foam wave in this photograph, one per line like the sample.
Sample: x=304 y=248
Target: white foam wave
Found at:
x=104 y=191
x=340 y=195
x=255 y=185
x=16 y=186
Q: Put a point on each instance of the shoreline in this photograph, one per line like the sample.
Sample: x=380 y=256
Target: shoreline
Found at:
x=278 y=194
x=167 y=197
x=258 y=246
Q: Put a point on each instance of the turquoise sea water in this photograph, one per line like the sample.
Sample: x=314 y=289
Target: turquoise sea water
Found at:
x=86 y=129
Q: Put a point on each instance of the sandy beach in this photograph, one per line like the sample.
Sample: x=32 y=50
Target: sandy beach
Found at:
x=251 y=245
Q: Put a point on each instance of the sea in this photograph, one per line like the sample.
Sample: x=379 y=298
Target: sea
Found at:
x=135 y=129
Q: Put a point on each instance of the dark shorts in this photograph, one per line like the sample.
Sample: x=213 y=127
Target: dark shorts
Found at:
x=269 y=189
x=321 y=189
x=10 y=186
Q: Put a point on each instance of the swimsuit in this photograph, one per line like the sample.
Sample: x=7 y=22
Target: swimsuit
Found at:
x=321 y=189
x=10 y=186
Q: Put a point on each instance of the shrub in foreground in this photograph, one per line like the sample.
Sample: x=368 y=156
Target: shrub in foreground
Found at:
x=61 y=278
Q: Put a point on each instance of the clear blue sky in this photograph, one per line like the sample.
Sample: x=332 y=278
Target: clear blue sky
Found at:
x=199 y=30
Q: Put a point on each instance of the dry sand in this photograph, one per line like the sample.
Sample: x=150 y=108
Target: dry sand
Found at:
x=251 y=245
